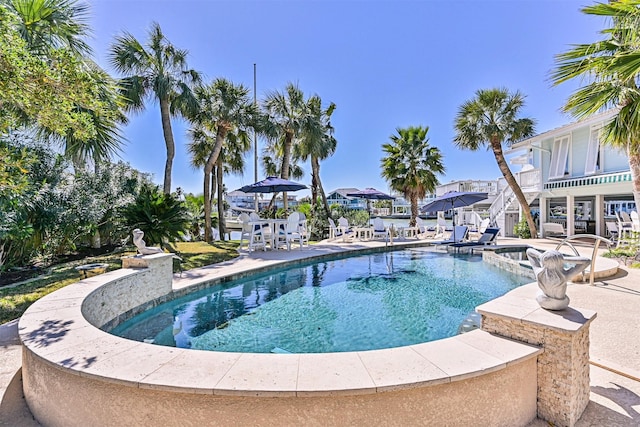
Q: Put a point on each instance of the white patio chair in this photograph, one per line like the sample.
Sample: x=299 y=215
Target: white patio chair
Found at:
x=257 y=238
x=612 y=231
x=625 y=225
x=304 y=229
x=245 y=231
x=291 y=232
x=441 y=226
x=425 y=231
x=635 y=222
x=336 y=231
x=380 y=230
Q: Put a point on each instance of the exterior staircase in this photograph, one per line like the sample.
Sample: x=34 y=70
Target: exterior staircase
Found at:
x=506 y=200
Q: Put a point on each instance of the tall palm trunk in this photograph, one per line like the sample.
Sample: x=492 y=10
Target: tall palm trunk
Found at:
x=315 y=172
x=284 y=171
x=634 y=167
x=219 y=173
x=314 y=185
x=413 y=198
x=168 y=140
x=511 y=181
x=207 y=205
x=208 y=169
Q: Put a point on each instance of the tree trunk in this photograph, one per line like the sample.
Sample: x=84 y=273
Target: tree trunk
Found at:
x=315 y=170
x=207 y=205
x=221 y=225
x=511 y=180
x=208 y=193
x=95 y=239
x=168 y=140
x=414 y=209
x=634 y=167
x=314 y=181
x=286 y=158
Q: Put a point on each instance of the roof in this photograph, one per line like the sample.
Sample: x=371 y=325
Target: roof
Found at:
x=596 y=118
x=344 y=191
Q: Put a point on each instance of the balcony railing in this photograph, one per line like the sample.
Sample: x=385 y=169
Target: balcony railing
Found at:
x=481 y=186
x=592 y=180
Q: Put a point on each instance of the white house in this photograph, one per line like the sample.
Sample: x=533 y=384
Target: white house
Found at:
x=571 y=177
x=339 y=197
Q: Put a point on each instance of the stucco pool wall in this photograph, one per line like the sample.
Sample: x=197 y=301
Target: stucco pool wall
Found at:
x=76 y=374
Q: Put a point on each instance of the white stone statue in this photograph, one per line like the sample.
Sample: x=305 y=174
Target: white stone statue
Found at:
x=552 y=276
x=143 y=249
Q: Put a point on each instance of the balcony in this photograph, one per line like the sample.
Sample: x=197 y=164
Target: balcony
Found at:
x=588 y=181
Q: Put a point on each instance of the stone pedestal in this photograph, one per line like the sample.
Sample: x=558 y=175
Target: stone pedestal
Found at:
x=160 y=267
x=563 y=367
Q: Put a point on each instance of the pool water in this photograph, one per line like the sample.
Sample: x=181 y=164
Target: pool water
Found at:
x=366 y=302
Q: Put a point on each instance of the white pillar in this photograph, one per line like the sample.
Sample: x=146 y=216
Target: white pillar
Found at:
x=598 y=212
x=570 y=215
x=544 y=213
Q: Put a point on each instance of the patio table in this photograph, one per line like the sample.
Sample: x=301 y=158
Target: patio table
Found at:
x=362 y=233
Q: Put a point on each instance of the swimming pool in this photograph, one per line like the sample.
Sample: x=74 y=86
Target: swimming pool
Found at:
x=374 y=301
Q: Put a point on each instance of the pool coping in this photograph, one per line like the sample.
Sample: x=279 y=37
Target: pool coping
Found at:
x=55 y=330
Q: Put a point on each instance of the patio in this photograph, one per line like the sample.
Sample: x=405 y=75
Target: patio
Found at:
x=614 y=344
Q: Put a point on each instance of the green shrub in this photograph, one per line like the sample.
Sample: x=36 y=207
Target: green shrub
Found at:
x=521 y=229
x=161 y=216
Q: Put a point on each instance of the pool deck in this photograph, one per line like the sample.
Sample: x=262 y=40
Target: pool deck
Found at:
x=615 y=339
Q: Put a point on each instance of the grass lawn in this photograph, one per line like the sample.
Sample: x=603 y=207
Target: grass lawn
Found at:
x=14 y=300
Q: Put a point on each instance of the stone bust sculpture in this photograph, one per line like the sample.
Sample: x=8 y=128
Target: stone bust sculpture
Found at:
x=143 y=249
x=550 y=272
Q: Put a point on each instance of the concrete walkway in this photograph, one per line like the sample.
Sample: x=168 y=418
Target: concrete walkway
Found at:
x=615 y=346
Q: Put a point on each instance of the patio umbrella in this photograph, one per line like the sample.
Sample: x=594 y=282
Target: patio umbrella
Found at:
x=272 y=184
x=370 y=194
x=452 y=200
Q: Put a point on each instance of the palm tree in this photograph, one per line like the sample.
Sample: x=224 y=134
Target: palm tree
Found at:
x=230 y=160
x=108 y=139
x=411 y=165
x=611 y=68
x=200 y=146
x=53 y=24
x=47 y=24
x=272 y=163
x=286 y=113
x=492 y=118
x=317 y=143
x=225 y=110
x=158 y=70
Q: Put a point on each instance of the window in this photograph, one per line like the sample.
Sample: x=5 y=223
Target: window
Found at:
x=592 y=164
x=559 y=157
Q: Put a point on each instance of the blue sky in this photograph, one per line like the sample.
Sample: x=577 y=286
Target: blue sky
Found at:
x=385 y=64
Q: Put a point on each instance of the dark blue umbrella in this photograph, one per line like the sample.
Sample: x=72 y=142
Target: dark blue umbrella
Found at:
x=272 y=184
x=452 y=200
x=370 y=194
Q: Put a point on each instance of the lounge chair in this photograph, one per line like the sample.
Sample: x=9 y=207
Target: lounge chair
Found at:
x=489 y=237
x=553 y=229
x=458 y=235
